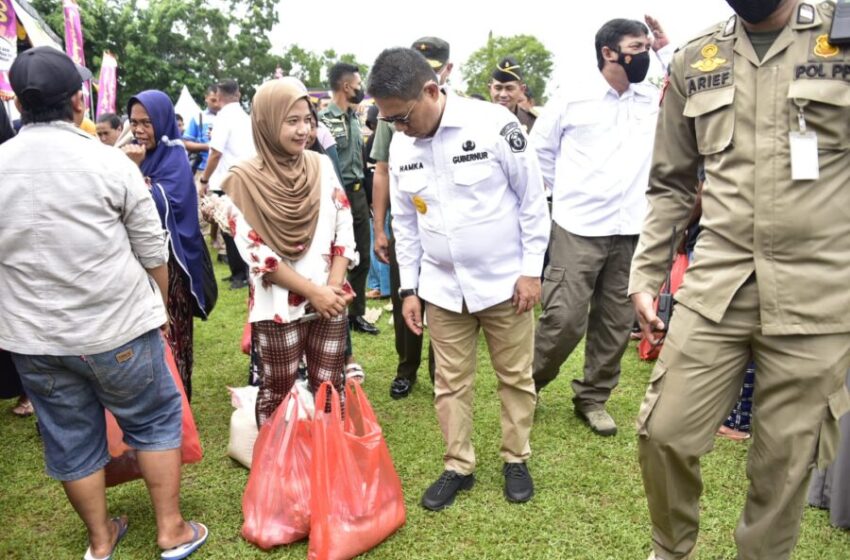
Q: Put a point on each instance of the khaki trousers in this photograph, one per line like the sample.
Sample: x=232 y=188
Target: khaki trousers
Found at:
x=799 y=396
x=585 y=292
x=510 y=337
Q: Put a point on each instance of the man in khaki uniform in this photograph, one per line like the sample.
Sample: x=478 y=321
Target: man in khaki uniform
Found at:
x=770 y=274
x=507 y=88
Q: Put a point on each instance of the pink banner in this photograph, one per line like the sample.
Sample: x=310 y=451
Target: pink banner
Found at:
x=8 y=46
x=73 y=32
x=74 y=39
x=106 y=85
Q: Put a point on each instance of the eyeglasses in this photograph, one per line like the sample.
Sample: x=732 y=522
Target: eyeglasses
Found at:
x=400 y=120
x=142 y=122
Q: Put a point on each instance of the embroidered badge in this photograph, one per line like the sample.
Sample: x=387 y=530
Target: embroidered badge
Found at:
x=823 y=48
x=468 y=146
x=514 y=136
x=710 y=61
x=419 y=202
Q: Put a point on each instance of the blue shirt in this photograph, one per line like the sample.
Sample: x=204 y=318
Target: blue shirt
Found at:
x=200 y=132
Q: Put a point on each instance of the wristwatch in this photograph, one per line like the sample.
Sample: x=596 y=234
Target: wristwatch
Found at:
x=403 y=293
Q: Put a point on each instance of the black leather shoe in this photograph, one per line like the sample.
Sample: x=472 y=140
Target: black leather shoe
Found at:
x=400 y=388
x=441 y=494
x=359 y=323
x=518 y=484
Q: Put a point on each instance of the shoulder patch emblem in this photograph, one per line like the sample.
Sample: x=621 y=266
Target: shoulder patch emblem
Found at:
x=508 y=127
x=823 y=48
x=710 y=61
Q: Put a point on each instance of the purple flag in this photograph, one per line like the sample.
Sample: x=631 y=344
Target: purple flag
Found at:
x=74 y=39
x=8 y=46
x=107 y=84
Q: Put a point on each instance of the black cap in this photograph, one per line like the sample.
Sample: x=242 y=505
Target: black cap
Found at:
x=508 y=70
x=44 y=76
x=434 y=49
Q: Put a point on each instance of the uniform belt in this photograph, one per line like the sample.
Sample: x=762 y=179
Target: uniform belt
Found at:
x=353 y=186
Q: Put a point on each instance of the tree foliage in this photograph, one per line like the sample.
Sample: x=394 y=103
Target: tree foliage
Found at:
x=169 y=43
x=535 y=59
x=312 y=68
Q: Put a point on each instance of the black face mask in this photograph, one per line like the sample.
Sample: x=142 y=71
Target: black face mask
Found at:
x=636 y=65
x=357 y=97
x=754 y=11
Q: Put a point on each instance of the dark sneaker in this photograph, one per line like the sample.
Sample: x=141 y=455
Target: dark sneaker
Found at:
x=518 y=484
x=441 y=494
x=400 y=388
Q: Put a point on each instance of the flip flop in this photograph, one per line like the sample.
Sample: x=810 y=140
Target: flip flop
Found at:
x=186 y=549
x=122 y=524
x=23 y=409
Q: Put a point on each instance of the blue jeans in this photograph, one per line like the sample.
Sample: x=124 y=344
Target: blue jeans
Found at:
x=69 y=394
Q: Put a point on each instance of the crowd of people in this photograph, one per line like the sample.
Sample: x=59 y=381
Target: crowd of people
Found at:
x=481 y=211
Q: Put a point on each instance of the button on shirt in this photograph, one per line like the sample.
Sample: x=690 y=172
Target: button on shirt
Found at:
x=469 y=211
x=595 y=149
x=79 y=228
x=233 y=137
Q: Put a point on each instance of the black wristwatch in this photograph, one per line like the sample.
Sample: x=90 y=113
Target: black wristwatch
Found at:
x=402 y=293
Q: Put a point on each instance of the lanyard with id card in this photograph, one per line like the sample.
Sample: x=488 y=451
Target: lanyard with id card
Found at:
x=804 y=148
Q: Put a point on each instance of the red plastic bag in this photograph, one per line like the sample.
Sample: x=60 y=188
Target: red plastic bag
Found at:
x=647 y=351
x=124 y=467
x=356 y=499
x=245 y=345
x=276 y=503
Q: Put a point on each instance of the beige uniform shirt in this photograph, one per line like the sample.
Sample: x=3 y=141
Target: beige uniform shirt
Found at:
x=725 y=106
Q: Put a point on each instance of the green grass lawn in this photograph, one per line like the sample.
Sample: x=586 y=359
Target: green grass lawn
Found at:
x=589 y=501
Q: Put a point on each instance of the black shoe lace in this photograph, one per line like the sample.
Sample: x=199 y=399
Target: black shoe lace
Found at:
x=515 y=470
x=444 y=479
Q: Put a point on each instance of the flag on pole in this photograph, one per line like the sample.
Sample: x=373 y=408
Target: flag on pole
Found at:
x=74 y=40
x=107 y=84
x=8 y=47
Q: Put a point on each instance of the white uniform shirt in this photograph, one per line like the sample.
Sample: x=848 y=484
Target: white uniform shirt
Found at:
x=595 y=150
x=469 y=211
x=233 y=137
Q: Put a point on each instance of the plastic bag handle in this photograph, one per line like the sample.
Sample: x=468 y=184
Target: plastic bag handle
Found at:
x=322 y=399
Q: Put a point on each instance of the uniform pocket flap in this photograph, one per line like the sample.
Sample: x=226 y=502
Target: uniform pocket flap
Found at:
x=554 y=273
x=708 y=101
x=839 y=403
x=831 y=92
x=471 y=174
x=412 y=183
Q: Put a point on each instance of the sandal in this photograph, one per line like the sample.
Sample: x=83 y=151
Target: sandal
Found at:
x=23 y=408
x=122 y=524
x=355 y=371
x=186 y=549
x=732 y=434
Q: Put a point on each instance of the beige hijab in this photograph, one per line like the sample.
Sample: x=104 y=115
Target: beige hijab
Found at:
x=277 y=192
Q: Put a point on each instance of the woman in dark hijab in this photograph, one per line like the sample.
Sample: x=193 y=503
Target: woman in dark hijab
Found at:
x=166 y=167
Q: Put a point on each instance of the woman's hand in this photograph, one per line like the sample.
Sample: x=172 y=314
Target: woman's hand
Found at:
x=328 y=301
x=136 y=153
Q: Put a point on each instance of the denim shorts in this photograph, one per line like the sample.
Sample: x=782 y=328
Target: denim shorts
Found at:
x=69 y=394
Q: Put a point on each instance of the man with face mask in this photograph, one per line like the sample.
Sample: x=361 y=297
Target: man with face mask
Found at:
x=341 y=119
x=599 y=139
x=762 y=100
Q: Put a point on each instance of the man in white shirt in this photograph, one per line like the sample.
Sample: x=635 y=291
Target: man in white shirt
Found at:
x=471 y=228
x=231 y=141
x=594 y=148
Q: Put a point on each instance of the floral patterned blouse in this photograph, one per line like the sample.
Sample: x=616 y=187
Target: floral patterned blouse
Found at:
x=334 y=236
